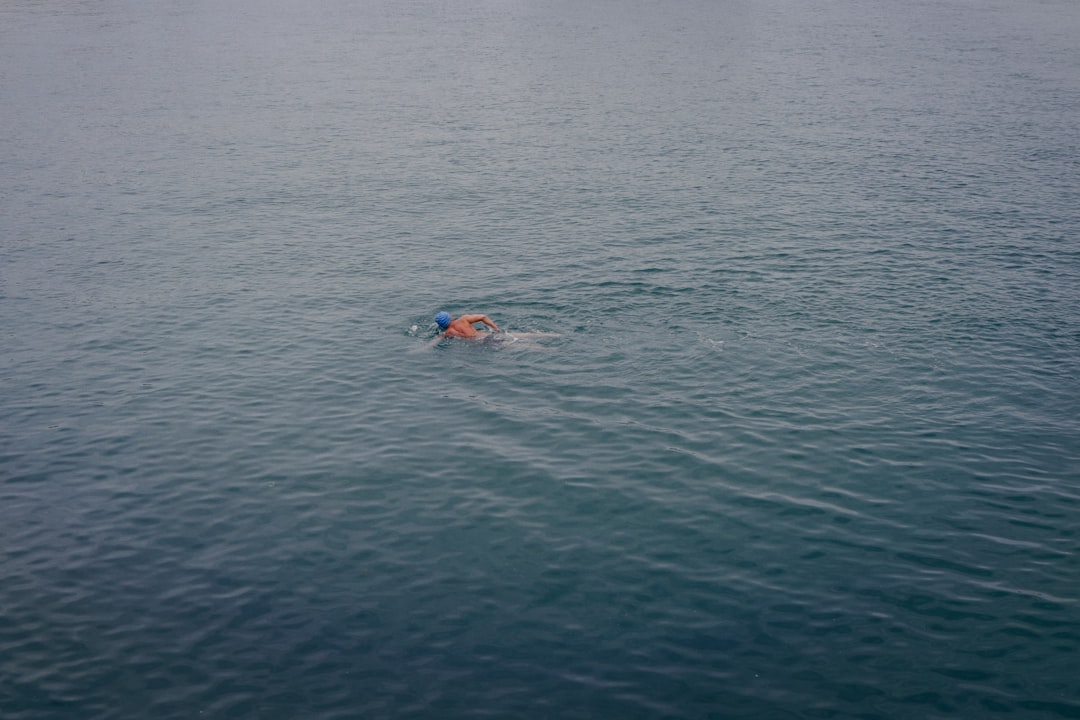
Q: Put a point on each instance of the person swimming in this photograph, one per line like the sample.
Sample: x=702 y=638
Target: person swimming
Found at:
x=462 y=327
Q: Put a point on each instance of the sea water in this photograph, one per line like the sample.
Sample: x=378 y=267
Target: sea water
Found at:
x=807 y=445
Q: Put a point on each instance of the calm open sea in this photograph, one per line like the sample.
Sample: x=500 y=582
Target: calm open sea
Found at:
x=807 y=445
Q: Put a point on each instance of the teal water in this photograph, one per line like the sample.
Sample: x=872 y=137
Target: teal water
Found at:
x=807 y=446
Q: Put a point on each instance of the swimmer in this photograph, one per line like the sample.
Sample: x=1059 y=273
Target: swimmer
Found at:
x=462 y=327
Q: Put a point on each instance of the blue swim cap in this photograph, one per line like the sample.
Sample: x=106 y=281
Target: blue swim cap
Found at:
x=443 y=319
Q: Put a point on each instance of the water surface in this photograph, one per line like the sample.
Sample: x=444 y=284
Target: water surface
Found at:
x=806 y=446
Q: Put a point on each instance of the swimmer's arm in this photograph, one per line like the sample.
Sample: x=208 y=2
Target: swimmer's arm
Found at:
x=481 y=319
x=429 y=344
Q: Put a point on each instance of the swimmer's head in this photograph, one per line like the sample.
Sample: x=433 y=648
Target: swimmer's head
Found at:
x=442 y=319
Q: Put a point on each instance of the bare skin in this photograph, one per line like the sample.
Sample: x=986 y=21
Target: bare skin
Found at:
x=462 y=327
